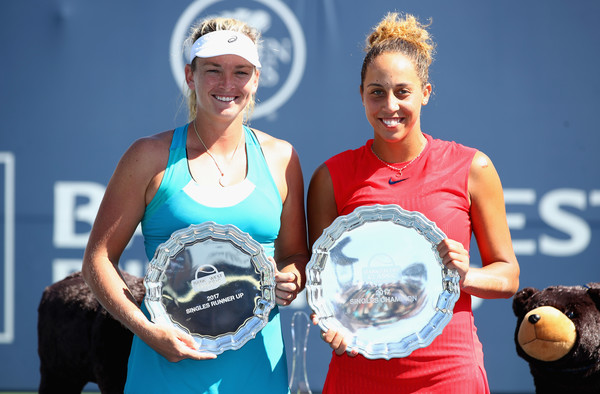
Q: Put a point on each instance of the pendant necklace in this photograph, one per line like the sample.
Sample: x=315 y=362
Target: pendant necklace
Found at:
x=398 y=173
x=222 y=180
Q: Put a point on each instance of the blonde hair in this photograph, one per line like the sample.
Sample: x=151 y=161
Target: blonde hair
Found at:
x=205 y=27
x=404 y=35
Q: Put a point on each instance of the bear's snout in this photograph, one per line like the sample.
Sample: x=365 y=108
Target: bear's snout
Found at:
x=546 y=334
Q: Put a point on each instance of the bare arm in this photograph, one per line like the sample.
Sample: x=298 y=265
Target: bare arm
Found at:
x=321 y=206
x=322 y=211
x=499 y=275
x=291 y=251
x=120 y=212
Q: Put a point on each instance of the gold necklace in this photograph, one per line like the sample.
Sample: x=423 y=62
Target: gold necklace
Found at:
x=222 y=180
x=398 y=170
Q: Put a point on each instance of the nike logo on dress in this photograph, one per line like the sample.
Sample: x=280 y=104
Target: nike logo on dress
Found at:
x=398 y=181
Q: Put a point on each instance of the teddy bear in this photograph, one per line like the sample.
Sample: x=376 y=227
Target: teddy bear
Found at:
x=79 y=341
x=558 y=334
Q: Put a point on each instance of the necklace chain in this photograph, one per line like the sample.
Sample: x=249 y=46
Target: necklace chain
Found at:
x=399 y=170
x=221 y=179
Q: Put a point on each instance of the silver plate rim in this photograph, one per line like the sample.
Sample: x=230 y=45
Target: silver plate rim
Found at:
x=189 y=236
x=450 y=290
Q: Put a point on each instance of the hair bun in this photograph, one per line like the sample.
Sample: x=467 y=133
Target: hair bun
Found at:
x=407 y=28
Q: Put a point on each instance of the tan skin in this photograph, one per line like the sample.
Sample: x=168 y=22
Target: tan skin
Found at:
x=393 y=95
x=224 y=85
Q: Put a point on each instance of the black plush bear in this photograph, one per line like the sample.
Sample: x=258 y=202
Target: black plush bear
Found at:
x=79 y=341
x=558 y=334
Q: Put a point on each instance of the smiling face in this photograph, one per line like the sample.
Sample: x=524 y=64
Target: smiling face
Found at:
x=224 y=85
x=392 y=95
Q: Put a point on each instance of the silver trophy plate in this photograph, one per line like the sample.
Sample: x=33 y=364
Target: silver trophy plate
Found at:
x=376 y=277
x=214 y=282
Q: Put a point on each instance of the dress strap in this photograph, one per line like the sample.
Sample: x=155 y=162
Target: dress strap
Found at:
x=259 y=172
x=174 y=178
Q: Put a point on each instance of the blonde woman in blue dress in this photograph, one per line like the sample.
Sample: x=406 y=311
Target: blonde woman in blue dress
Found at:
x=213 y=169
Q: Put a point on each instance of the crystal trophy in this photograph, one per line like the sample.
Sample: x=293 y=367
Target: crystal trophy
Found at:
x=300 y=329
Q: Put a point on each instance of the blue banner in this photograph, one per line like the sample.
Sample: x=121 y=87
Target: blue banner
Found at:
x=81 y=80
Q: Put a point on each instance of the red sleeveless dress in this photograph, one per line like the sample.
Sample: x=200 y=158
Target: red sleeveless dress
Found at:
x=435 y=184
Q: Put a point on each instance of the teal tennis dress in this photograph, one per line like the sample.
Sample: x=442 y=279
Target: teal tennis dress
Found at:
x=254 y=206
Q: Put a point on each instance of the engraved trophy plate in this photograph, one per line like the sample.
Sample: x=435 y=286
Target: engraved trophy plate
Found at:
x=214 y=282
x=375 y=276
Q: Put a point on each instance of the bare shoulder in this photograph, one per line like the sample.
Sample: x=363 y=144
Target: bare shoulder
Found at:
x=321 y=174
x=481 y=166
x=151 y=144
x=142 y=165
x=483 y=177
x=275 y=149
x=149 y=152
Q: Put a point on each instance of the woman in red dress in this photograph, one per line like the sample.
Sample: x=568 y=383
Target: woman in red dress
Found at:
x=455 y=186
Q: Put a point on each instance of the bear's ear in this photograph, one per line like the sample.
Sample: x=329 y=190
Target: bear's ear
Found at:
x=594 y=293
x=520 y=300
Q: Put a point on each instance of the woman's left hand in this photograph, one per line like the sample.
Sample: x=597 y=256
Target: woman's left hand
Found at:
x=454 y=256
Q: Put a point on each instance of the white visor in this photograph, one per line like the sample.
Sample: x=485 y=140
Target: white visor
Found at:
x=225 y=42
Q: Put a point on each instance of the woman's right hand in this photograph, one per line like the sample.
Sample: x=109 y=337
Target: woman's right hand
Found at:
x=335 y=339
x=174 y=344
